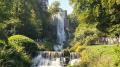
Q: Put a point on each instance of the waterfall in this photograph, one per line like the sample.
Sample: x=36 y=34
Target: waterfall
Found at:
x=61 y=38
x=54 y=59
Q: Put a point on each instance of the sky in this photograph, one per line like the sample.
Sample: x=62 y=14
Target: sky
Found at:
x=64 y=4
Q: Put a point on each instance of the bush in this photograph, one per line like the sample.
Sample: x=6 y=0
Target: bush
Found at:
x=85 y=37
x=77 y=48
x=23 y=44
x=10 y=58
x=2 y=43
x=66 y=53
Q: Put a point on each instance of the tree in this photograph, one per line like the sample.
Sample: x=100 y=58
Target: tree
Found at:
x=98 y=12
x=54 y=7
x=22 y=17
x=99 y=16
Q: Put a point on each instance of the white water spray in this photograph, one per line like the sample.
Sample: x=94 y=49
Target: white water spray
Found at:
x=55 y=59
x=61 y=38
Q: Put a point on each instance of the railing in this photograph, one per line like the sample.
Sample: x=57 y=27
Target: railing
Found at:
x=108 y=40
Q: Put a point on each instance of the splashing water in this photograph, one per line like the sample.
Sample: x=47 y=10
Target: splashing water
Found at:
x=53 y=59
x=39 y=61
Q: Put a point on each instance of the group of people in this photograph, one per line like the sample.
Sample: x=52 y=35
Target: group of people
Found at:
x=108 y=40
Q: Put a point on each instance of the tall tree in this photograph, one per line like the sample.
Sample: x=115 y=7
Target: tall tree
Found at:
x=100 y=12
x=22 y=17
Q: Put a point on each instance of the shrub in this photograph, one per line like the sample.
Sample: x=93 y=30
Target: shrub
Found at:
x=23 y=44
x=77 y=48
x=66 y=53
x=10 y=58
x=2 y=43
x=85 y=37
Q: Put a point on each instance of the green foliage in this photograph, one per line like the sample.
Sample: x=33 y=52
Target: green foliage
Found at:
x=10 y=58
x=66 y=53
x=77 y=47
x=27 y=18
x=2 y=44
x=31 y=20
x=98 y=16
x=85 y=37
x=54 y=7
x=23 y=44
x=100 y=56
x=46 y=46
x=22 y=17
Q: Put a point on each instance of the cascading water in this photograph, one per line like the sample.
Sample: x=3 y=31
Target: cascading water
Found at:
x=55 y=59
x=60 y=31
x=46 y=59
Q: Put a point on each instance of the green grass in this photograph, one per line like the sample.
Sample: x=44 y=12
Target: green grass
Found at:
x=100 y=56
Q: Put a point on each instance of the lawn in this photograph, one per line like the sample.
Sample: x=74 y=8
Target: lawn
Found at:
x=100 y=56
